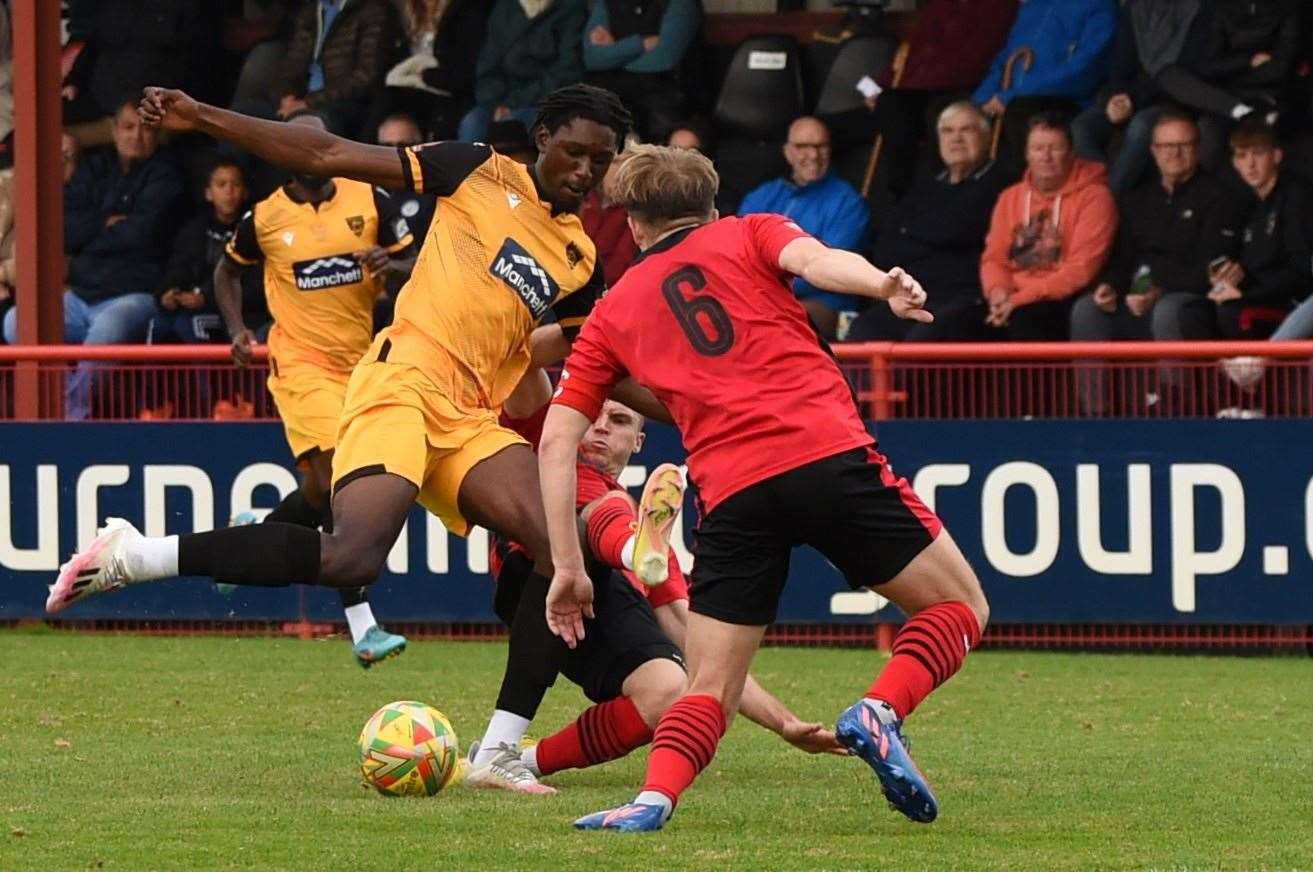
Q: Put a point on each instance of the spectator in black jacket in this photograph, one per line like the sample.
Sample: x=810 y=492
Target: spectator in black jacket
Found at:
x=118 y=212
x=1151 y=35
x=134 y=43
x=1245 y=67
x=1175 y=231
x=189 y=312
x=937 y=233
x=1254 y=291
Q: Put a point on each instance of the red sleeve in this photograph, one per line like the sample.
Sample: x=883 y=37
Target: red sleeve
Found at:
x=590 y=372
x=769 y=234
x=591 y=485
x=531 y=428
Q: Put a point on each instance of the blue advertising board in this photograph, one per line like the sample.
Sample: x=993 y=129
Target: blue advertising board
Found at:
x=1190 y=521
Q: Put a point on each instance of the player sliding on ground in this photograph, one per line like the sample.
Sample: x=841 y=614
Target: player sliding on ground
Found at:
x=420 y=417
x=780 y=456
x=630 y=663
x=324 y=243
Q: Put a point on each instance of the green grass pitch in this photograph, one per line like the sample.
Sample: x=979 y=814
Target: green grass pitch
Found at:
x=121 y=752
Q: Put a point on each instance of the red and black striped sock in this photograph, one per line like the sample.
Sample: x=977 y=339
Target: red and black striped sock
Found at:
x=927 y=651
x=684 y=743
x=607 y=731
x=608 y=529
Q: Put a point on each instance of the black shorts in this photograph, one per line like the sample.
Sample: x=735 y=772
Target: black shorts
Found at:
x=848 y=506
x=622 y=637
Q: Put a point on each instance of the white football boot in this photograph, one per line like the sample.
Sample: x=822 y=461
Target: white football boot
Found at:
x=99 y=569
x=505 y=771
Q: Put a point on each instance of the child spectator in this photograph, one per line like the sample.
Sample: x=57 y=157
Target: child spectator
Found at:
x=189 y=312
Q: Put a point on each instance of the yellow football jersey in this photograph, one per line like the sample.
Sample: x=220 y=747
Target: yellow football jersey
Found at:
x=319 y=294
x=495 y=260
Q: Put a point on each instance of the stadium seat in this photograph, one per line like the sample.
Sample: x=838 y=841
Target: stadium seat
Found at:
x=762 y=90
x=759 y=97
x=859 y=56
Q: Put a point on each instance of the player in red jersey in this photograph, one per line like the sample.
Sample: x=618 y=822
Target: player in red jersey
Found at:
x=780 y=456
x=630 y=666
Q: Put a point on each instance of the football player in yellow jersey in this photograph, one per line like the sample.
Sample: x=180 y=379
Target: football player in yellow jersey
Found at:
x=326 y=244
x=420 y=418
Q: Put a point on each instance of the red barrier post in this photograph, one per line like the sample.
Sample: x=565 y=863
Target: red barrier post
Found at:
x=39 y=185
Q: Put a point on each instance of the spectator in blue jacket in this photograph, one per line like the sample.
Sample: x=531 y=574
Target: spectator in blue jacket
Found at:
x=531 y=49
x=1070 y=41
x=119 y=212
x=635 y=48
x=821 y=203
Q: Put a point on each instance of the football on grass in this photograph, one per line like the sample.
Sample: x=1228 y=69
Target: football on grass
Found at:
x=408 y=749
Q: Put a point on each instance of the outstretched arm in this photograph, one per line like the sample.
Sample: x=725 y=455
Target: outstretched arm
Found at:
x=757 y=704
x=297 y=147
x=833 y=269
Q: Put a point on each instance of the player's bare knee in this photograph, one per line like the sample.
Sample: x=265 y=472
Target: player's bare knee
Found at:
x=587 y=511
x=654 y=687
x=347 y=563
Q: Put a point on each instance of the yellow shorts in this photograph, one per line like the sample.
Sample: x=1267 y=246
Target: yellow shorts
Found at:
x=309 y=401
x=396 y=421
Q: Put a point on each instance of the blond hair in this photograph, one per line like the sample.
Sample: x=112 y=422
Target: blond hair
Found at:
x=659 y=185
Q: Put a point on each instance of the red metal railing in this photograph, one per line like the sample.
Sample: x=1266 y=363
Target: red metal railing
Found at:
x=1081 y=380
x=892 y=380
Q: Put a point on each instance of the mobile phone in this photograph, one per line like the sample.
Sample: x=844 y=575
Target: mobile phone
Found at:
x=1216 y=263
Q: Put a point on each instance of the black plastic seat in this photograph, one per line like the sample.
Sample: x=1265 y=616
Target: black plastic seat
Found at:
x=859 y=56
x=762 y=90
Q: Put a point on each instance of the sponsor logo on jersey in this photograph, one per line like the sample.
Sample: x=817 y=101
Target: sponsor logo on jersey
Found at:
x=325 y=273
x=522 y=274
x=356 y=223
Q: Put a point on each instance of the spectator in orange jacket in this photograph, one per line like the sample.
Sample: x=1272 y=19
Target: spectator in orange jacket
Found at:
x=1048 y=238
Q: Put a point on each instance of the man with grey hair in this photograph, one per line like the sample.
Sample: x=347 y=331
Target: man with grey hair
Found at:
x=937 y=232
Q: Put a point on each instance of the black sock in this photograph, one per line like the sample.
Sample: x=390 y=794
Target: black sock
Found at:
x=534 y=655
x=353 y=596
x=294 y=509
x=262 y=555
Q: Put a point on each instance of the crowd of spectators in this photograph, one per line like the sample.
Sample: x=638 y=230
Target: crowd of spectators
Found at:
x=1055 y=169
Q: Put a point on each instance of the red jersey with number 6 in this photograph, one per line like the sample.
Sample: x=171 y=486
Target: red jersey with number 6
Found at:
x=705 y=319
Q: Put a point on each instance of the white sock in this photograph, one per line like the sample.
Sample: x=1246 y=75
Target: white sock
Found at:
x=627 y=553
x=153 y=557
x=1241 y=110
x=529 y=757
x=359 y=618
x=505 y=728
x=653 y=797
